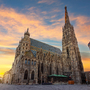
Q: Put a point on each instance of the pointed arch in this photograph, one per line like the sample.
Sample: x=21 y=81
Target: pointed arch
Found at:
x=32 y=75
x=57 y=71
x=67 y=52
x=50 y=69
x=26 y=74
x=38 y=69
x=42 y=68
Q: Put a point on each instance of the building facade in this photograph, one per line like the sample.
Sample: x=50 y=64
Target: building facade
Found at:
x=35 y=60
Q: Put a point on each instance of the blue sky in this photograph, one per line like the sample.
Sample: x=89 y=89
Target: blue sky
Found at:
x=45 y=19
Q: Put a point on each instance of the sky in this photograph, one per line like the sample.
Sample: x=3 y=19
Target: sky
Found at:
x=45 y=20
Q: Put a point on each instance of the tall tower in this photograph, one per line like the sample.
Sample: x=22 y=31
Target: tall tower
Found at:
x=72 y=64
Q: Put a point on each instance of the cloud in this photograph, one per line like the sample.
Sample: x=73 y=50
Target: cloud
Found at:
x=44 y=12
x=85 y=54
x=47 y=1
x=7 y=51
x=82 y=28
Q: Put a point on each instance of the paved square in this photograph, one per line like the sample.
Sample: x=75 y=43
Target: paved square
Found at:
x=44 y=87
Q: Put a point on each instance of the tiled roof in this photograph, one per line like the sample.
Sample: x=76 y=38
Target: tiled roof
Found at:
x=44 y=46
x=34 y=53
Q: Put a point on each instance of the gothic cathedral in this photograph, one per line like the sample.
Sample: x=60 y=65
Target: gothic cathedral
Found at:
x=35 y=60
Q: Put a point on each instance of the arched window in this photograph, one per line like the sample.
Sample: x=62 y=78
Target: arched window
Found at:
x=29 y=62
x=26 y=44
x=42 y=67
x=69 y=67
x=67 y=52
x=32 y=75
x=32 y=62
x=57 y=70
x=26 y=74
x=38 y=69
x=50 y=69
x=25 y=61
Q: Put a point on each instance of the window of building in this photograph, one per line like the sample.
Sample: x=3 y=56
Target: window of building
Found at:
x=25 y=61
x=67 y=52
x=69 y=67
x=26 y=44
x=57 y=70
x=26 y=74
x=29 y=62
x=42 y=68
x=32 y=75
x=50 y=69
x=32 y=62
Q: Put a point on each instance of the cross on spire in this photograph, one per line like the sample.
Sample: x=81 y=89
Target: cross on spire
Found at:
x=27 y=29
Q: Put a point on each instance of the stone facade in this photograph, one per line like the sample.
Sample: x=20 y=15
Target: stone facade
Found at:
x=72 y=64
x=35 y=60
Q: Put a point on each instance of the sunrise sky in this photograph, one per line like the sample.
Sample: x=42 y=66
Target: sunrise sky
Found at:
x=45 y=19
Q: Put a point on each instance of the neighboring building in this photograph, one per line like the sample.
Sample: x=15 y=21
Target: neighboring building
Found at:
x=35 y=60
x=7 y=77
x=87 y=74
x=0 y=79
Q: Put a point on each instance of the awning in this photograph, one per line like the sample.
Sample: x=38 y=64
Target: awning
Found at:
x=55 y=75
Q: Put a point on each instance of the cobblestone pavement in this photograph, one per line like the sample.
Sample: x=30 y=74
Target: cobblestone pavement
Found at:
x=44 y=87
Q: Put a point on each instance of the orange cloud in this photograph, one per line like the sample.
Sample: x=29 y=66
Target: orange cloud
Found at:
x=82 y=28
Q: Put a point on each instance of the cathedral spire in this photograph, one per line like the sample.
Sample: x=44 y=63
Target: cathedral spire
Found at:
x=66 y=16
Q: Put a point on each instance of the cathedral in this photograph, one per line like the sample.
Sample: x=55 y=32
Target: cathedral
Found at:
x=35 y=60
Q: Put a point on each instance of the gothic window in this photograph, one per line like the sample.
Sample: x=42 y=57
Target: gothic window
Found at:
x=67 y=52
x=57 y=71
x=42 y=67
x=29 y=62
x=26 y=74
x=23 y=47
x=32 y=75
x=69 y=67
x=32 y=62
x=38 y=70
x=26 y=48
x=26 y=44
x=50 y=69
x=25 y=61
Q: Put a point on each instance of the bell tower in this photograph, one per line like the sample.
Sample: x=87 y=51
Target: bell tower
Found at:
x=72 y=64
